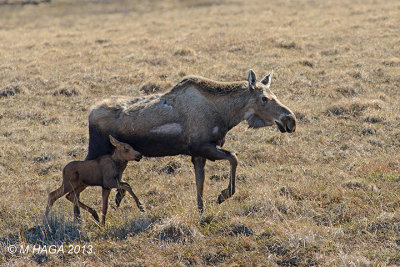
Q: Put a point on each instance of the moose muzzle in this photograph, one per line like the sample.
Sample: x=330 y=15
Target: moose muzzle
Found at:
x=287 y=124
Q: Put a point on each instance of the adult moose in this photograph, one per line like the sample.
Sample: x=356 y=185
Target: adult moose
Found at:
x=191 y=119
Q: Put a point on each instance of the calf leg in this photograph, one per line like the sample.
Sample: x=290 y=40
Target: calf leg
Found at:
x=74 y=198
x=119 y=196
x=53 y=196
x=199 y=163
x=113 y=183
x=211 y=152
x=128 y=188
x=77 y=213
x=71 y=196
x=105 y=195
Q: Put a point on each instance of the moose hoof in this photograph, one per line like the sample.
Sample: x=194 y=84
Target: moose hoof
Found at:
x=141 y=209
x=201 y=210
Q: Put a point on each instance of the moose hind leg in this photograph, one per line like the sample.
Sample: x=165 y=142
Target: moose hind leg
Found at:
x=99 y=142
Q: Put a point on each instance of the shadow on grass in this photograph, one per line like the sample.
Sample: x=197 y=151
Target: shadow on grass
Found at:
x=58 y=231
x=54 y=231
x=130 y=228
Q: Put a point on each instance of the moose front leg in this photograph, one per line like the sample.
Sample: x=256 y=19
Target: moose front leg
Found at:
x=228 y=192
x=213 y=153
x=199 y=163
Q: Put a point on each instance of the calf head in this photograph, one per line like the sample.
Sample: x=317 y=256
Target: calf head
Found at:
x=264 y=109
x=125 y=151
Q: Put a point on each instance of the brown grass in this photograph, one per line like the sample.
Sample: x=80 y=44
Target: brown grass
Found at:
x=328 y=194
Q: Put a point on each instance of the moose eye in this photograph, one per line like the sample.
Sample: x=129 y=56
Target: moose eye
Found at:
x=264 y=99
x=126 y=150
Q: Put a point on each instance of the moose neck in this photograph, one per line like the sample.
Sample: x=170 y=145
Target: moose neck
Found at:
x=233 y=108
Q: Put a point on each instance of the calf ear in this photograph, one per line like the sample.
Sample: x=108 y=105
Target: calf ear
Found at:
x=113 y=141
x=252 y=80
x=267 y=79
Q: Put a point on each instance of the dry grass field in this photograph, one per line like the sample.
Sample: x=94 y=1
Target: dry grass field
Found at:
x=328 y=194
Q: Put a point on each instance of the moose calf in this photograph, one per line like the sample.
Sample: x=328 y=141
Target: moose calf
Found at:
x=105 y=171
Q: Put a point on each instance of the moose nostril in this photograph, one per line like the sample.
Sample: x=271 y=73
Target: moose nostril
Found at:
x=290 y=123
x=288 y=118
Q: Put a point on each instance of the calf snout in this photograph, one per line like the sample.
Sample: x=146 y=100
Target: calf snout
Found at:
x=138 y=157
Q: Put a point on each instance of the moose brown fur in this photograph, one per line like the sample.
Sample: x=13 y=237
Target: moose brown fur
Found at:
x=190 y=119
x=105 y=171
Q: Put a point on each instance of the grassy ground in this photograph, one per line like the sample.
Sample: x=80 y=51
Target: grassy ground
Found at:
x=328 y=194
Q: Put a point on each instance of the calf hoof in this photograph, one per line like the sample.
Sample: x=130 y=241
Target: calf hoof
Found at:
x=77 y=220
x=220 y=199
x=118 y=200
x=96 y=217
x=225 y=194
x=141 y=208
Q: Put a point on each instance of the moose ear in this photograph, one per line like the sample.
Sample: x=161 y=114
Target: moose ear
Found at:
x=252 y=80
x=267 y=79
x=114 y=141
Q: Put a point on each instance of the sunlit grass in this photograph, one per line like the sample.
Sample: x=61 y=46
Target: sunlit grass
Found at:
x=328 y=194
